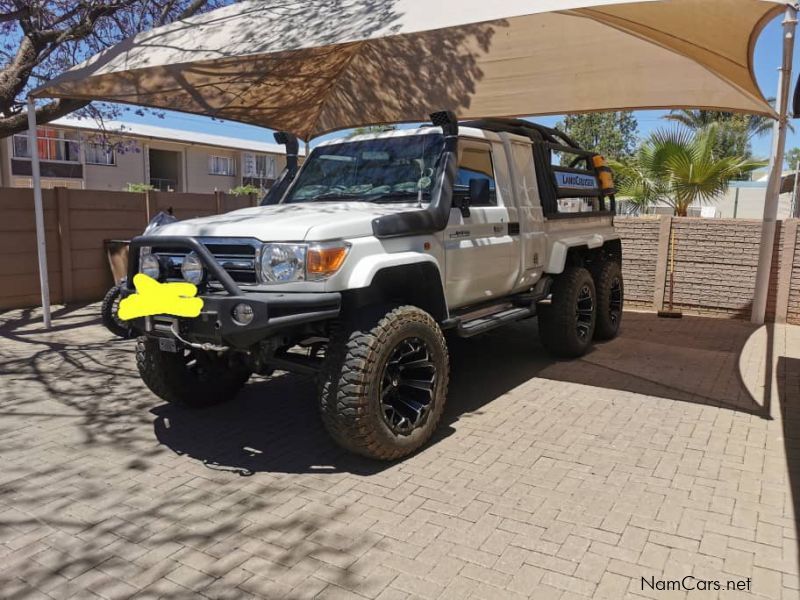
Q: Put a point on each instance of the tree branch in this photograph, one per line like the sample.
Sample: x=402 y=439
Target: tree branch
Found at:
x=46 y=32
x=14 y=14
x=18 y=123
x=14 y=76
x=192 y=9
x=81 y=28
x=162 y=18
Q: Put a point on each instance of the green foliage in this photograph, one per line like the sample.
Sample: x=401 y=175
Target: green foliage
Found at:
x=612 y=134
x=638 y=180
x=792 y=157
x=245 y=190
x=679 y=168
x=139 y=187
x=735 y=131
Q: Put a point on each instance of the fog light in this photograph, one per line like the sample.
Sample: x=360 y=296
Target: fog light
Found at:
x=243 y=314
x=192 y=268
x=149 y=265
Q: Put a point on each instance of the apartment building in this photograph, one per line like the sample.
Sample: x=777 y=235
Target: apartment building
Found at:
x=75 y=154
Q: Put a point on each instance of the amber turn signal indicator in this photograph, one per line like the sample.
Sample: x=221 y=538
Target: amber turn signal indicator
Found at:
x=324 y=260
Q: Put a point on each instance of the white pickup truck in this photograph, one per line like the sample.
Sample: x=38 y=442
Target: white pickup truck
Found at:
x=357 y=265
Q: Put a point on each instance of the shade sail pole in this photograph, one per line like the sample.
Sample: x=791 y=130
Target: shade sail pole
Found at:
x=41 y=245
x=775 y=170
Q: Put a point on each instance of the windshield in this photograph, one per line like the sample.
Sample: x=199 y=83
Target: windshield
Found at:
x=392 y=169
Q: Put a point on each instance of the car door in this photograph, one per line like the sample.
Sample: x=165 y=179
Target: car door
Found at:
x=478 y=247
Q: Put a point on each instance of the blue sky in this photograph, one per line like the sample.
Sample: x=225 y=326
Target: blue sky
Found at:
x=767 y=61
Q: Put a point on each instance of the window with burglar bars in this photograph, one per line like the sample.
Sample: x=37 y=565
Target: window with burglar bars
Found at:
x=52 y=144
x=221 y=165
x=264 y=166
x=259 y=170
x=99 y=154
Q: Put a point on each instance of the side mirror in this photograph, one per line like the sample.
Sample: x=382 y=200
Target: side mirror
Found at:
x=462 y=203
x=478 y=191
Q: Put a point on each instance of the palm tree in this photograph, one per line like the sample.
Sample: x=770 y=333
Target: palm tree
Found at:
x=696 y=119
x=679 y=168
x=736 y=129
x=637 y=181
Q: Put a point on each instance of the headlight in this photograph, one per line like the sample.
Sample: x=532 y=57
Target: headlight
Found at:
x=149 y=265
x=282 y=263
x=192 y=269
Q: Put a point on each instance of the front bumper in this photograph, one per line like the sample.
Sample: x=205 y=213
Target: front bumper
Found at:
x=273 y=311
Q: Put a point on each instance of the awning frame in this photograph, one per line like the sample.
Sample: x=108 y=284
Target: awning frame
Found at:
x=779 y=130
x=771 y=200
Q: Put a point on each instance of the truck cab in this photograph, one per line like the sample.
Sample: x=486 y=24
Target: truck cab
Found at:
x=362 y=260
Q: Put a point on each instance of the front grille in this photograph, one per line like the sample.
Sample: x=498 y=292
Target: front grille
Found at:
x=237 y=257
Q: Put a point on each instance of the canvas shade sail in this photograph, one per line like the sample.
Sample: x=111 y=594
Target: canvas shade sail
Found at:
x=310 y=67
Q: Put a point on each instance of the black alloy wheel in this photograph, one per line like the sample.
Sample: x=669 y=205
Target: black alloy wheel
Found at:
x=610 y=299
x=407 y=386
x=584 y=313
x=615 y=303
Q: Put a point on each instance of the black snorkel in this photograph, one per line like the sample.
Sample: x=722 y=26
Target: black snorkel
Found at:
x=278 y=189
x=435 y=216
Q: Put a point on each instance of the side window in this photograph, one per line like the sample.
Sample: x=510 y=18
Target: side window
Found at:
x=476 y=163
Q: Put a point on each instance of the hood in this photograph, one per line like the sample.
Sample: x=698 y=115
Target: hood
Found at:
x=312 y=221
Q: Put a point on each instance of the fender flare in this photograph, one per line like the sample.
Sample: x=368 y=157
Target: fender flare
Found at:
x=407 y=277
x=557 y=258
x=364 y=272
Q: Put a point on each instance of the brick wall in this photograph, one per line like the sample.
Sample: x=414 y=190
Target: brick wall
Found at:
x=77 y=222
x=640 y=250
x=715 y=265
x=793 y=309
x=715 y=262
x=19 y=268
x=715 y=259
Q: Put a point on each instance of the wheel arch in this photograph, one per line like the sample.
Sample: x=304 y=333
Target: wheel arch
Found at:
x=417 y=283
x=583 y=253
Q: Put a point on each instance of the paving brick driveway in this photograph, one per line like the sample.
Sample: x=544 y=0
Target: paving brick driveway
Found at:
x=662 y=454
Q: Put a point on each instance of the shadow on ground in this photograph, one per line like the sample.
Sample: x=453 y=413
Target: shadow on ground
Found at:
x=27 y=323
x=95 y=499
x=788 y=379
x=273 y=425
x=88 y=372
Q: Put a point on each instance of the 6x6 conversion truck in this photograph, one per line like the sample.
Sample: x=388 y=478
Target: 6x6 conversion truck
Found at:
x=358 y=263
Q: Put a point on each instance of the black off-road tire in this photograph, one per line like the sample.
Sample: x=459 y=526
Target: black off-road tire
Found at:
x=562 y=321
x=610 y=300
x=189 y=378
x=108 y=312
x=354 y=376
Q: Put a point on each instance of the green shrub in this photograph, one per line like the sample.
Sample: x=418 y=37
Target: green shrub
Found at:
x=245 y=190
x=139 y=187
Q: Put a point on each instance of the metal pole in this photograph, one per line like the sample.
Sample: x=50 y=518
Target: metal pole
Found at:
x=41 y=246
x=736 y=203
x=795 y=204
x=775 y=171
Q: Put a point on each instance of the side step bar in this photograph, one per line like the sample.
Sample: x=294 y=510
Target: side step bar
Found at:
x=482 y=324
x=488 y=317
